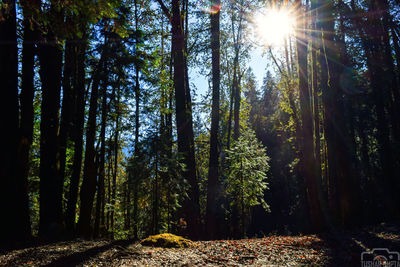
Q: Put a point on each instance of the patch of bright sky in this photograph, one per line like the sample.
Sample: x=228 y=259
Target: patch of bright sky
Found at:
x=259 y=63
x=268 y=26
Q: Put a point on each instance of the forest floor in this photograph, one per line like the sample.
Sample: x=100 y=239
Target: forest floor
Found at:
x=340 y=249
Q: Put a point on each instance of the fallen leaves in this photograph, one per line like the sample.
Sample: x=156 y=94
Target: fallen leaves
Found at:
x=271 y=250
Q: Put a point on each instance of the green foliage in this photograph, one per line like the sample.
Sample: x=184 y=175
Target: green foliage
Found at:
x=247 y=174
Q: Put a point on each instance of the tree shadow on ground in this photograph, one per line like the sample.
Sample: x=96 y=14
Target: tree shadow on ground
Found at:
x=83 y=256
x=345 y=249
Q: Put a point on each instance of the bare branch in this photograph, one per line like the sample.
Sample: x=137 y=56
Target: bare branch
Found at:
x=164 y=9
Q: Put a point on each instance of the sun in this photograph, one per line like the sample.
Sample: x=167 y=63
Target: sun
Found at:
x=273 y=25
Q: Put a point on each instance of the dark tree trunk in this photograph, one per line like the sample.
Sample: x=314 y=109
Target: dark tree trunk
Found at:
x=27 y=111
x=316 y=46
x=371 y=37
x=135 y=183
x=213 y=171
x=307 y=160
x=100 y=183
x=67 y=107
x=236 y=90
x=50 y=58
x=88 y=187
x=380 y=84
x=114 y=178
x=10 y=181
x=79 y=112
x=236 y=109
x=343 y=191
x=156 y=205
x=191 y=207
x=109 y=167
x=390 y=75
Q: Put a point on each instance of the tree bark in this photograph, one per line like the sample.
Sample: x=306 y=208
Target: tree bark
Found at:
x=114 y=178
x=316 y=46
x=50 y=58
x=10 y=182
x=79 y=113
x=67 y=107
x=184 y=124
x=88 y=187
x=307 y=160
x=343 y=196
x=27 y=111
x=213 y=171
x=100 y=183
x=371 y=37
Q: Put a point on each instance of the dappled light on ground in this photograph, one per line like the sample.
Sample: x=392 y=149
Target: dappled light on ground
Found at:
x=340 y=249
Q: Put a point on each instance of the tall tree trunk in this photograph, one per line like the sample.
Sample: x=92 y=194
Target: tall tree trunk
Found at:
x=381 y=86
x=100 y=183
x=79 y=112
x=236 y=110
x=109 y=189
x=135 y=183
x=27 y=111
x=307 y=160
x=9 y=185
x=316 y=46
x=184 y=124
x=343 y=191
x=236 y=78
x=213 y=170
x=394 y=92
x=88 y=187
x=114 y=178
x=67 y=107
x=50 y=58
x=156 y=196
x=371 y=37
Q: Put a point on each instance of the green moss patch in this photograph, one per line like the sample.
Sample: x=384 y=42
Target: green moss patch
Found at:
x=167 y=241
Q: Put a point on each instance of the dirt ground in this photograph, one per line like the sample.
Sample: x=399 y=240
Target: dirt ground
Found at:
x=339 y=249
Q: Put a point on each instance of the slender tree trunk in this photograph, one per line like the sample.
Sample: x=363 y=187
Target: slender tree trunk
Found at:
x=236 y=109
x=50 y=58
x=135 y=182
x=100 y=183
x=79 y=113
x=27 y=113
x=156 y=204
x=114 y=180
x=213 y=171
x=395 y=40
x=67 y=108
x=88 y=187
x=231 y=100
x=316 y=46
x=109 y=163
x=236 y=79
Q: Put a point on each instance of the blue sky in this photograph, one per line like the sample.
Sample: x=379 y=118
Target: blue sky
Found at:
x=258 y=62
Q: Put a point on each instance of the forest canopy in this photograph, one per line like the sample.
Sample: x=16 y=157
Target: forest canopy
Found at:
x=127 y=118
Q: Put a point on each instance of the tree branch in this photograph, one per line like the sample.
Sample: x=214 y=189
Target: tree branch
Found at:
x=164 y=9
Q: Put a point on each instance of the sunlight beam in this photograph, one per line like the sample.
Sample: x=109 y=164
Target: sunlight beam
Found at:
x=273 y=26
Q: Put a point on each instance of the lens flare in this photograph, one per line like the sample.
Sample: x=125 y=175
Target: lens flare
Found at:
x=209 y=7
x=274 y=25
